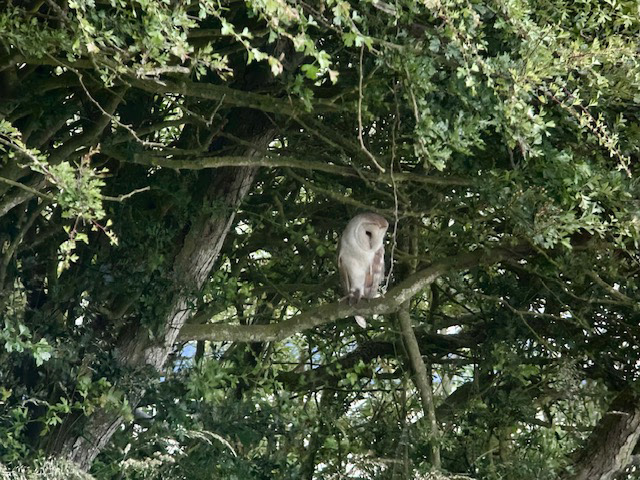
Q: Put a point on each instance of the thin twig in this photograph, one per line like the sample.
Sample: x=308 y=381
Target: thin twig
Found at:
x=364 y=148
x=113 y=118
x=123 y=197
x=521 y=314
x=19 y=149
x=26 y=188
x=338 y=197
x=395 y=196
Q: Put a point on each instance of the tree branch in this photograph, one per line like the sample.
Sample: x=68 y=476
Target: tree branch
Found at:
x=15 y=198
x=609 y=289
x=231 y=96
x=324 y=314
x=26 y=188
x=435 y=345
x=422 y=380
x=199 y=163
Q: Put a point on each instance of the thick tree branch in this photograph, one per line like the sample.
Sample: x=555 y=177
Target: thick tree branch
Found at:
x=609 y=289
x=231 y=96
x=324 y=314
x=435 y=345
x=199 y=163
x=16 y=197
x=208 y=91
x=26 y=188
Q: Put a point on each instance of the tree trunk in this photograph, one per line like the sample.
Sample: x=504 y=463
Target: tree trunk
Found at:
x=192 y=265
x=610 y=446
x=80 y=439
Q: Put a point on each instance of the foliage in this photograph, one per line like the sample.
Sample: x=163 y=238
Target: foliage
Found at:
x=47 y=469
x=508 y=126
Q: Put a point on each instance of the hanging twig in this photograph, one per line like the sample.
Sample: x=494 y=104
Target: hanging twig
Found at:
x=364 y=148
x=394 y=241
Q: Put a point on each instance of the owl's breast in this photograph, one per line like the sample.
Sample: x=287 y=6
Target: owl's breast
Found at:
x=353 y=251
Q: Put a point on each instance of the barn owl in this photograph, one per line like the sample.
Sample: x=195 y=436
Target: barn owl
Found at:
x=361 y=257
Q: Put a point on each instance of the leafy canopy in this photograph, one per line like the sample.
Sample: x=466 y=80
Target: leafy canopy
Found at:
x=499 y=138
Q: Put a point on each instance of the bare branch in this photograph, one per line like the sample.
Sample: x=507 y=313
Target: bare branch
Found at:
x=120 y=198
x=360 y=95
x=422 y=380
x=339 y=197
x=231 y=96
x=15 y=198
x=26 y=188
x=609 y=289
x=113 y=118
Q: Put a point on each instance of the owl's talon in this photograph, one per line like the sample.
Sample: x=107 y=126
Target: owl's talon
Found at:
x=356 y=296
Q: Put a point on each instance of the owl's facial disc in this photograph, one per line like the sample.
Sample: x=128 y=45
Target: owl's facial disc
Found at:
x=369 y=236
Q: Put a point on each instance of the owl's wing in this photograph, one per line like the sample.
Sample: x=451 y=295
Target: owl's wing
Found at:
x=344 y=276
x=375 y=275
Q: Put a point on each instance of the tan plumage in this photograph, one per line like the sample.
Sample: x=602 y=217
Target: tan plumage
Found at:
x=361 y=257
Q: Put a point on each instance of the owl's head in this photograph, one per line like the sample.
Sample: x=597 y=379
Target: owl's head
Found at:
x=370 y=230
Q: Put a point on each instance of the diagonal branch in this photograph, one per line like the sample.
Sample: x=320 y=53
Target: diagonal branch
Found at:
x=26 y=188
x=609 y=289
x=422 y=380
x=324 y=314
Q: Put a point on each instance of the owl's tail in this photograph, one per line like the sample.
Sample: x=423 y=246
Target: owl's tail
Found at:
x=361 y=321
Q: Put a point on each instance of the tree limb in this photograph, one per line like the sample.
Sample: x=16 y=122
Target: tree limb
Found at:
x=231 y=96
x=324 y=314
x=609 y=289
x=26 y=188
x=435 y=345
x=422 y=380
x=199 y=163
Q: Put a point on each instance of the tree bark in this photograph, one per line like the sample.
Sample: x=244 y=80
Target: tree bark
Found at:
x=609 y=449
